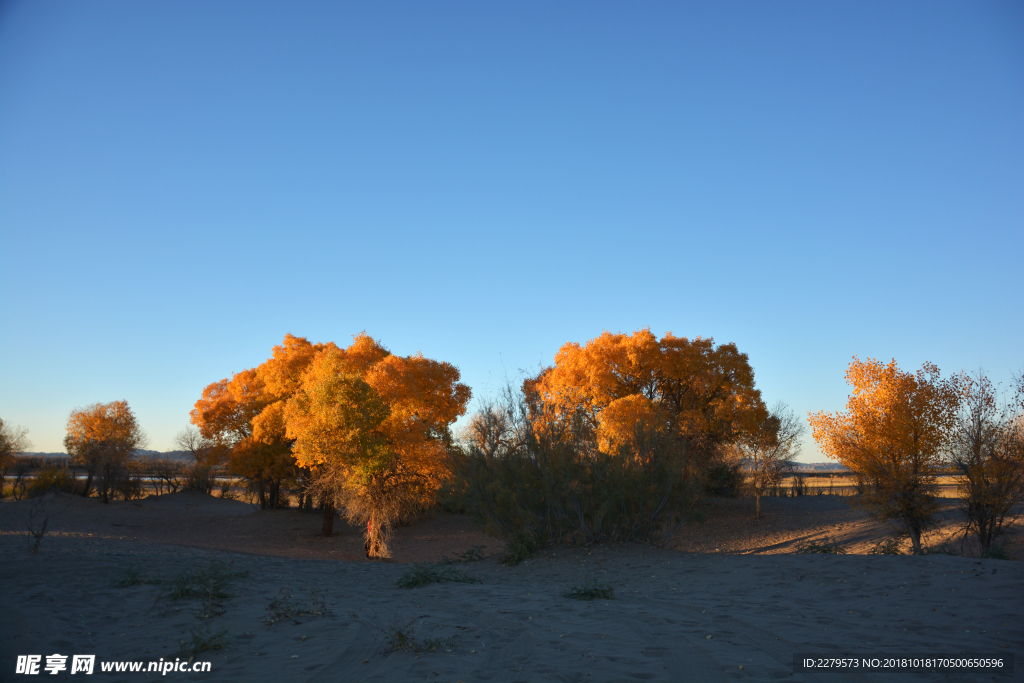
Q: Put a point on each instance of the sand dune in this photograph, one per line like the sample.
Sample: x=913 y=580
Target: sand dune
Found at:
x=676 y=616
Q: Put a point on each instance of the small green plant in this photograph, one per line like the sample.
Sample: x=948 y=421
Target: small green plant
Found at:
x=423 y=574
x=519 y=548
x=825 y=546
x=133 y=577
x=400 y=640
x=590 y=590
x=474 y=554
x=996 y=552
x=204 y=640
x=403 y=637
x=283 y=607
x=210 y=584
x=888 y=546
x=433 y=644
x=944 y=549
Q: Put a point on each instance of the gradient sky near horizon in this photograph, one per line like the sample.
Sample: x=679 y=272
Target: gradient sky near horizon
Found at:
x=182 y=183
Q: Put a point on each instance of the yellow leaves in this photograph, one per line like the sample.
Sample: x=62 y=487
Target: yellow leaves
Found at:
x=334 y=415
x=269 y=425
x=628 y=423
x=282 y=372
x=692 y=388
x=323 y=403
x=893 y=418
x=102 y=422
x=108 y=427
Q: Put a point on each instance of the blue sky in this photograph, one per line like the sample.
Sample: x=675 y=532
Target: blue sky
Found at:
x=182 y=183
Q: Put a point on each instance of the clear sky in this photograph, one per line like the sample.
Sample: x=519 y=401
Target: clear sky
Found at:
x=182 y=183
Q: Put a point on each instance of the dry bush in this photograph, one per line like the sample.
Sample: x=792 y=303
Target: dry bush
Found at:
x=167 y=474
x=536 y=489
x=52 y=478
x=987 y=450
x=13 y=442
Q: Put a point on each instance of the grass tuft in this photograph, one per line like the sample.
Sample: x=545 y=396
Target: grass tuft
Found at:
x=423 y=574
x=996 y=552
x=211 y=584
x=283 y=607
x=204 y=641
x=474 y=554
x=591 y=590
x=133 y=577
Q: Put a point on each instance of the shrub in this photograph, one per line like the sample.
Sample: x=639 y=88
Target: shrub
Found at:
x=556 y=491
x=724 y=479
x=996 y=552
x=199 y=477
x=887 y=546
x=51 y=479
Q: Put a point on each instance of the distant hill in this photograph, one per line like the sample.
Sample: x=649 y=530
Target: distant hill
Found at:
x=827 y=467
x=142 y=453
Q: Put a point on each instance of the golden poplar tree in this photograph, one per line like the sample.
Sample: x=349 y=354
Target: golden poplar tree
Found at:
x=893 y=435
x=374 y=428
x=618 y=391
x=103 y=438
x=371 y=427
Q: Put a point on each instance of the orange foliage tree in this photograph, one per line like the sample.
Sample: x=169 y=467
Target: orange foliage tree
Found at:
x=618 y=391
x=245 y=415
x=375 y=430
x=309 y=406
x=893 y=435
x=103 y=438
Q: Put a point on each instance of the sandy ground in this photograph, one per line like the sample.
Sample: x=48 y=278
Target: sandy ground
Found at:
x=740 y=613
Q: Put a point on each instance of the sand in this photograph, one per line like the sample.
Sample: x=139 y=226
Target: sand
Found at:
x=737 y=614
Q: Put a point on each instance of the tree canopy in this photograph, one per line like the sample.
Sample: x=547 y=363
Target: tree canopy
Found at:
x=103 y=437
x=893 y=434
x=360 y=413
x=618 y=388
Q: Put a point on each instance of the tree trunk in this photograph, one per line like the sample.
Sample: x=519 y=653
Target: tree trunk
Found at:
x=88 y=485
x=757 y=505
x=915 y=538
x=327 y=529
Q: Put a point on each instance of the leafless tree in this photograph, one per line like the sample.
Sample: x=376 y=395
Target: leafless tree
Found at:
x=769 y=451
x=205 y=456
x=987 y=450
x=167 y=474
x=13 y=442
